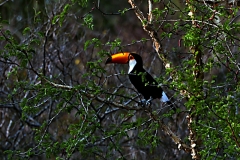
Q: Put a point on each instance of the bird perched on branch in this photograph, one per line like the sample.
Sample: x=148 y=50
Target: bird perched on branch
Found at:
x=139 y=77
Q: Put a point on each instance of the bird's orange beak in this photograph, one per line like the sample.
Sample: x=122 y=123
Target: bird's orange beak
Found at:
x=121 y=57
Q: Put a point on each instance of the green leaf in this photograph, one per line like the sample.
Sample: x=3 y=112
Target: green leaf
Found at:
x=88 y=21
x=26 y=30
x=55 y=19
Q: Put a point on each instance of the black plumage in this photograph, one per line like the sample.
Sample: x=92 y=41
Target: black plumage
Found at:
x=143 y=81
x=139 y=77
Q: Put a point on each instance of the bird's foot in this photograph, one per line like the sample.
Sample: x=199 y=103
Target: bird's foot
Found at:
x=146 y=103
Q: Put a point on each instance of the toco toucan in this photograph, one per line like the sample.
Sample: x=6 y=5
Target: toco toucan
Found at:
x=139 y=77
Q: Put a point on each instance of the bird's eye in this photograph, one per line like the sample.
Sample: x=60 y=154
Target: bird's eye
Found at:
x=131 y=57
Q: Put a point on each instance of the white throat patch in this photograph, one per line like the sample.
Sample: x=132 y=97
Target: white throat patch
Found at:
x=132 y=64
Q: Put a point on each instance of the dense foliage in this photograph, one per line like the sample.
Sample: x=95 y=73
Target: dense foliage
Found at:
x=59 y=100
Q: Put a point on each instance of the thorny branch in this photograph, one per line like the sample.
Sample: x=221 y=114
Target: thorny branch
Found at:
x=148 y=27
x=165 y=128
x=97 y=7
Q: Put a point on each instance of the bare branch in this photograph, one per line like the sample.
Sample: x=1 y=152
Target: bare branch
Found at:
x=147 y=26
x=150 y=16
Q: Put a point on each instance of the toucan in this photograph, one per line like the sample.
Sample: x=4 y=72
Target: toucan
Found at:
x=139 y=77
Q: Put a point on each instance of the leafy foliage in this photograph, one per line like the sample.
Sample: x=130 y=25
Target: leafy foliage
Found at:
x=59 y=100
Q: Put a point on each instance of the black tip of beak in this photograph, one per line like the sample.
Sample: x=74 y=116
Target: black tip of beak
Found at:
x=109 y=60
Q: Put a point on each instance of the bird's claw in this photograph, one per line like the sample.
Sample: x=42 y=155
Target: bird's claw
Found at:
x=145 y=102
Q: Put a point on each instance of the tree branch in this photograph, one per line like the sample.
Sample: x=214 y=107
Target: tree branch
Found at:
x=148 y=27
x=164 y=127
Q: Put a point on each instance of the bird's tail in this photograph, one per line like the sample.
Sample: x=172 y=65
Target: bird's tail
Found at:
x=165 y=99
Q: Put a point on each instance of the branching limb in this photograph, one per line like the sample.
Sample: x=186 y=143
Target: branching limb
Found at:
x=148 y=27
x=165 y=128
